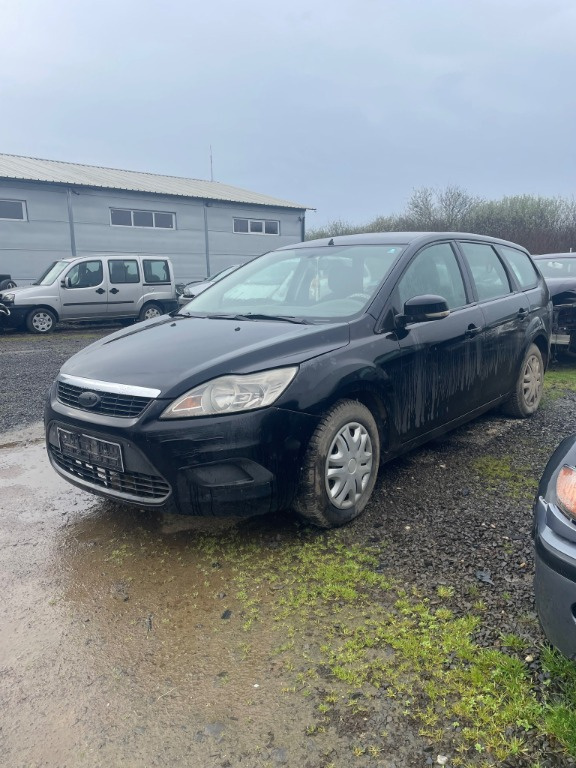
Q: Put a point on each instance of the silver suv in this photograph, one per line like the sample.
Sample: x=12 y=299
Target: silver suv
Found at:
x=95 y=287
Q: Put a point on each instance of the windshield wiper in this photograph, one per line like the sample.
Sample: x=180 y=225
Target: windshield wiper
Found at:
x=259 y=316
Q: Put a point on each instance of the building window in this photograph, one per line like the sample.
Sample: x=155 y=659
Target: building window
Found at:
x=13 y=210
x=122 y=217
x=257 y=226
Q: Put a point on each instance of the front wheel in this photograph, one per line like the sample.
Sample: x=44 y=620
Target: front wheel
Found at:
x=525 y=398
x=340 y=466
x=40 y=320
x=149 y=311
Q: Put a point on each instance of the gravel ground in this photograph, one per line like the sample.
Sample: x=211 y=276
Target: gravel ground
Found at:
x=29 y=364
x=438 y=518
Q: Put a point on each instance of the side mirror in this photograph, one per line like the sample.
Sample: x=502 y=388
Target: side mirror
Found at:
x=66 y=283
x=418 y=309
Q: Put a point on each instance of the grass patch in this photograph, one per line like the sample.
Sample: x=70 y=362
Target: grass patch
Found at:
x=558 y=382
x=502 y=470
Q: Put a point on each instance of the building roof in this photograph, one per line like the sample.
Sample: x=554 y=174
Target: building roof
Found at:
x=75 y=174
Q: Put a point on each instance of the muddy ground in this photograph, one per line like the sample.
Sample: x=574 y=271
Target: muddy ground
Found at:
x=131 y=639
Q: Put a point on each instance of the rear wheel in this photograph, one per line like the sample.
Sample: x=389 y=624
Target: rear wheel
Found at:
x=340 y=466
x=149 y=311
x=40 y=320
x=525 y=399
x=5 y=284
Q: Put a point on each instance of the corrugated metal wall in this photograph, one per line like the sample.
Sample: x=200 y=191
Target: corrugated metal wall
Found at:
x=28 y=247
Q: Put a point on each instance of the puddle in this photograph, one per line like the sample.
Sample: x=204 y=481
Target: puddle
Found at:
x=125 y=640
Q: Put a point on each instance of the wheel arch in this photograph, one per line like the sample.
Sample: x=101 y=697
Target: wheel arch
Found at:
x=44 y=306
x=376 y=403
x=542 y=343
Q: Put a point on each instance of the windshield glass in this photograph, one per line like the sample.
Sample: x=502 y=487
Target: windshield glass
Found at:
x=55 y=269
x=557 y=267
x=317 y=283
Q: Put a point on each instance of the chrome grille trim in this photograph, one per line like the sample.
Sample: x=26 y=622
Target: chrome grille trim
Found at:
x=109 y=386
x=111 y=403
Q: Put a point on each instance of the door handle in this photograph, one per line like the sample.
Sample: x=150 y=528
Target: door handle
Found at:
x=522 y=312
x=114 y=290
x=100 y=290
x=472 y=331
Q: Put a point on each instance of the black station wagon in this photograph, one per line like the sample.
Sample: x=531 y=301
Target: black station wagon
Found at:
x=286 y=384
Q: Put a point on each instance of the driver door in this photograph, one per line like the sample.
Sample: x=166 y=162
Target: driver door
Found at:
x=84 y=291
x=440 y=360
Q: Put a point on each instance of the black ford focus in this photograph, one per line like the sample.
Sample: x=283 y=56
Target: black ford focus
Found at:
x=287 y=384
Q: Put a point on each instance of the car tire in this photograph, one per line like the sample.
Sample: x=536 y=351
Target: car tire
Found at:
x=149 y=311
x=525 y=399
x=40 y=320
x=5 y=284
x=340 y=466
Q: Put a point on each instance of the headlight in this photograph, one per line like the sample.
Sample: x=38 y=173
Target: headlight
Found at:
x=566 y=490
x=230 y=394
x=7 y=298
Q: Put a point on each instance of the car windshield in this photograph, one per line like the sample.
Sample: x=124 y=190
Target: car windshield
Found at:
x=315 y=284
x=557 y=267
x=55 y=269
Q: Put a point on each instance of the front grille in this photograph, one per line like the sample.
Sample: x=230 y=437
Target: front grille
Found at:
x=111 y=403
x=144 y=487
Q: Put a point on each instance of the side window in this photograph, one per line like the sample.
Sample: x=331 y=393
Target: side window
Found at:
x=123 y=271
x=87 y=274
x=487 y=270
x=434 y=270
x=521 y=265
x=156 y=271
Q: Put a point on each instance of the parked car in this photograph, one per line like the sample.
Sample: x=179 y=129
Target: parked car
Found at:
x=559 y=270
x=6 y=282
x=266 y=393
x=191 y=290
x=96 y=287
x=555 y=548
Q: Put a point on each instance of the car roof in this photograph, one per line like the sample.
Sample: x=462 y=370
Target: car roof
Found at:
x=555 y=256
x=395 y=238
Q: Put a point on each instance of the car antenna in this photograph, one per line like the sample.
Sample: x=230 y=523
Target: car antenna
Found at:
x=331 y=241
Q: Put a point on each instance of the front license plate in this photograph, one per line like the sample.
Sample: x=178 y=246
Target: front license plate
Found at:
x=91 y=449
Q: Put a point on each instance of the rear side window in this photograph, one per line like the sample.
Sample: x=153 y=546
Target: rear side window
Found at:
x=522 y=267
x=156 y=271
x=487 y=270
x=124 y=271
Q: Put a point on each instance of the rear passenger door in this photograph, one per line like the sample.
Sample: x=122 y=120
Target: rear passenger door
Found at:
x=125 y=287
x=506 y=313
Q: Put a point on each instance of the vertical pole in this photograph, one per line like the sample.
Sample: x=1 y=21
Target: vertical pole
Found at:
x=303 y=227
x=71 y=222
x=206 y=240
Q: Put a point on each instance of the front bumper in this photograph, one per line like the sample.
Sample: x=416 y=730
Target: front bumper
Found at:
x=242 y=464
x=555 y=576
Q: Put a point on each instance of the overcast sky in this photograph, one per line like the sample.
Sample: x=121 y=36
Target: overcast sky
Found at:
x=343 y=106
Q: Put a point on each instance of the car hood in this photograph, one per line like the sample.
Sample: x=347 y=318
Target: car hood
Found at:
x=562 y=289
x=30 y=291
x=173 y=354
